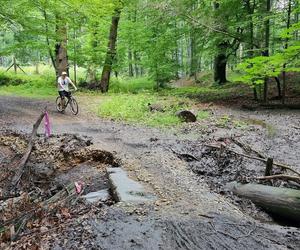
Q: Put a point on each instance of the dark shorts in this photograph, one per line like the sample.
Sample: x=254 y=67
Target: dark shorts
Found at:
x=64 y=93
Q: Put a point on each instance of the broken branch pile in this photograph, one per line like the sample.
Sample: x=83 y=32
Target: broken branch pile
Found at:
x=15 y=225
x=223 y=147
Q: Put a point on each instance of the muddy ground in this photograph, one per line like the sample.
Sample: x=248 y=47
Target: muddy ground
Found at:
x=193 y=210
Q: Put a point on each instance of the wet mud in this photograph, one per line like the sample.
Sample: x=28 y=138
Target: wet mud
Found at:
x=194 y=211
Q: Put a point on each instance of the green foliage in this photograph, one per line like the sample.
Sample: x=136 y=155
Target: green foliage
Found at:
x=131 y=85
x=24 y=85
x=134 y=108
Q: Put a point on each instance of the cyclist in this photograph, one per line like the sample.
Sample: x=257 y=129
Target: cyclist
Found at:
x=63 y=87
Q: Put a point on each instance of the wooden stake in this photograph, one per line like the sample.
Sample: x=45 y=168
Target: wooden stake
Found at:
x=25 y=157
x=269 y=166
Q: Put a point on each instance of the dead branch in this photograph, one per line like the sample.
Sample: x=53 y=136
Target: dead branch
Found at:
x=24 y=159
x=59 y=199
x=280 y=177
x=248 y=148
x=185 y=156
x=255 y=158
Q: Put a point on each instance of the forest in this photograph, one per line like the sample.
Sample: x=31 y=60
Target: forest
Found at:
x=149 y=124
x=162 y=40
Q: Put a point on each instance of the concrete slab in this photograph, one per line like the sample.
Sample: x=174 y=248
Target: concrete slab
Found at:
x=102 y=195
x=125 y=189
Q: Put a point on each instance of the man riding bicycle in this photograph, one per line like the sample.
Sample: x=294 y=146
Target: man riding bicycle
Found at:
x=63 y=87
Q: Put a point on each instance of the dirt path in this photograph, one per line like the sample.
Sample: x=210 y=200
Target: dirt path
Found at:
x=188 y=215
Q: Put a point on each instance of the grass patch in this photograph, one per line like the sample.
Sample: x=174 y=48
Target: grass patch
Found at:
x=134 y=108
x=202 y=115
x=24 y=85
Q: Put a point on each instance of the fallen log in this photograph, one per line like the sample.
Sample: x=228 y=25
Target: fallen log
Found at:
x=24 y=159
x=282 y=202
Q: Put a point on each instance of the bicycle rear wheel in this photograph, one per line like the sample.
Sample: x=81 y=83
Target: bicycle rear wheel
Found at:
x=59 y=106
x=74 y=106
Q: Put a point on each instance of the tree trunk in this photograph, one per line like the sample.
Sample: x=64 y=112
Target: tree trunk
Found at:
x=48 y=41
x=130 y=67
x=283 y=202
x=220 y=63
x=286 y=46
x=61 y=55
x=250 y=10
x=136 y=59
x=278 y=87
x=193 y=60
x=111 y=52
x=267 y=45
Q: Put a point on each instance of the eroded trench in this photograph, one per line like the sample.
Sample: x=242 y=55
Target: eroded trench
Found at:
x=219 y=167
x=43 y=190
x=64 y=159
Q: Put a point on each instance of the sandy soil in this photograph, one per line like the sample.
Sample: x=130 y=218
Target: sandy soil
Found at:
x=192 y=211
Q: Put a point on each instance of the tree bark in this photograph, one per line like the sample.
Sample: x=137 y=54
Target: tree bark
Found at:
x=267 y=45
x=283 y=202
x=111 y=52
x=220 y=63
x=48 y=40
x=61 y=55
x=250 y=9
x=286 y=46
x=136 y=67
x=130 y=66
x=193 y=60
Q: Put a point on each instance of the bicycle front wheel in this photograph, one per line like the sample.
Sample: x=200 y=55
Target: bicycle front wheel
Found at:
x=59 y=105
x=74 y=106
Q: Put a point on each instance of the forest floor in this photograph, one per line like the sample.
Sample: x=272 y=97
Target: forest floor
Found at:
x=193 y=211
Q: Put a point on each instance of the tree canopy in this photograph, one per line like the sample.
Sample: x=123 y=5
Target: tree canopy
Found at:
x=164 y=40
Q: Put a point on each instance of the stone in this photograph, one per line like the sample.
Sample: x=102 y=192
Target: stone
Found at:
x=125 y=189
x=186 y=116
x=93 y=197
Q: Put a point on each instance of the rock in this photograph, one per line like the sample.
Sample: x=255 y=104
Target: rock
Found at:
x=186 y=116
x=156 y=107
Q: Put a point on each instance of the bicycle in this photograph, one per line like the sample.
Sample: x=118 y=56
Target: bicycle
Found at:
x=71 y=100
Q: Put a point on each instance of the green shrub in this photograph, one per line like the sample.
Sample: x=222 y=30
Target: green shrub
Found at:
x=26 y=85
x=131 y=85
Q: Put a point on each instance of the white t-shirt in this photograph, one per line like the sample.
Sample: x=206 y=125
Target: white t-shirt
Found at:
x=64 y=82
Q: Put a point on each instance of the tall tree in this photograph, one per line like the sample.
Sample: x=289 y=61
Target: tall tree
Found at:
x=111 y=51
x=267 y=45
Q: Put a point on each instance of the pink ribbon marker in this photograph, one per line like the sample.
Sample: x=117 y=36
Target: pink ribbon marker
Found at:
x=47 y=125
